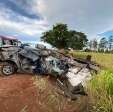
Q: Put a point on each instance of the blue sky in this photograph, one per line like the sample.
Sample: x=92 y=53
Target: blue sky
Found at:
x=106 y=33
x=27 y=19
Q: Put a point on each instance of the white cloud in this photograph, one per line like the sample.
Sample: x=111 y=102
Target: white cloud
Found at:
x=89 y=16
x=41 y=6
x=12 y=21
x=36 y=27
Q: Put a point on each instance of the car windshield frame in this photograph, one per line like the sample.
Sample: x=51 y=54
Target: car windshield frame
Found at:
x=5 y=41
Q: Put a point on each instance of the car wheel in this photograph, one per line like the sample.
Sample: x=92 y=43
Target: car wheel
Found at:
x=7 y=69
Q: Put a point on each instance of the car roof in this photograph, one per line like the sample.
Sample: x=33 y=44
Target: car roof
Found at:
x=8 y=37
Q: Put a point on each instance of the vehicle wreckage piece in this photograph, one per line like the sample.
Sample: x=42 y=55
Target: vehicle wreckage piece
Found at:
x=72 y=77
x=75 y=82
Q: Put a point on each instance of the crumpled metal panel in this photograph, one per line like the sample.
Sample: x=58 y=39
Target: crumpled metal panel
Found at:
x=77 y=76
x=7 y=52
x=30 y=53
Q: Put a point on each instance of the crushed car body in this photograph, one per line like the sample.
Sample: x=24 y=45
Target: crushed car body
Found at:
x=70 y=74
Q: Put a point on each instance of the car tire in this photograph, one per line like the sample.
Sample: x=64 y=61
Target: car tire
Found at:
x=7 y=69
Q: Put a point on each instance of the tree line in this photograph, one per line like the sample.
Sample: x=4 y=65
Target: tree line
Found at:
x=105 y=44
x=62 y=38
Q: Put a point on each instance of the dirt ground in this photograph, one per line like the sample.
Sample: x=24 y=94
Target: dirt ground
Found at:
x=19 y=94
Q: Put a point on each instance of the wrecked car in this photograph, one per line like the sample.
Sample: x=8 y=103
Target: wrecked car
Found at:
x=23 y=59
x=70 y=74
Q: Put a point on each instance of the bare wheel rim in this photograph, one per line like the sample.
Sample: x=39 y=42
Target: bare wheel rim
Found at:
x=7 y=69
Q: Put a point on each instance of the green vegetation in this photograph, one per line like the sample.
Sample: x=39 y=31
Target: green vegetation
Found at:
x=100 y=88
x=61 y=37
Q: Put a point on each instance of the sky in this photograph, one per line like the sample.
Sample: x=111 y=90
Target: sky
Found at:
x=28 y=19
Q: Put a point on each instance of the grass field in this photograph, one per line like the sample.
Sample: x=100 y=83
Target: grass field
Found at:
x=100 y=88
x=104 y=60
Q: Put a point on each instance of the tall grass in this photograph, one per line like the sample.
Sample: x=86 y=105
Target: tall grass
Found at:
x=100 y=88
x=48 y=99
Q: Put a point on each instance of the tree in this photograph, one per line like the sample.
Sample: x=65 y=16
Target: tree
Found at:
x=60 y=37
x=57 y=37
x=110 y=42
x=77 y=40
x=103 y=43
x=95 y=44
